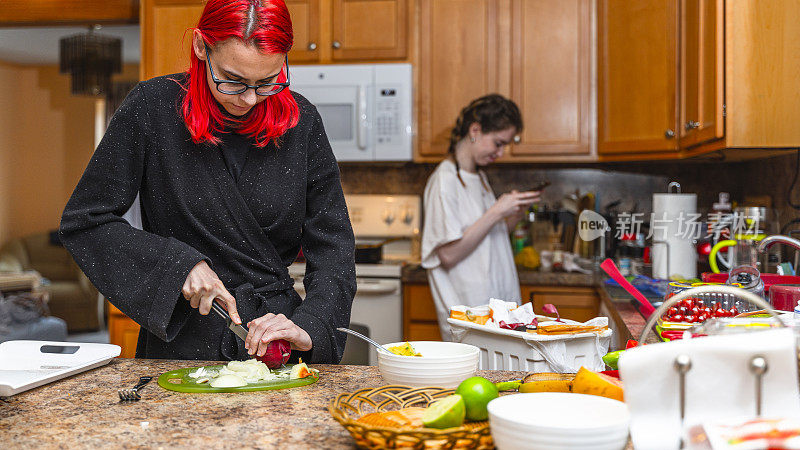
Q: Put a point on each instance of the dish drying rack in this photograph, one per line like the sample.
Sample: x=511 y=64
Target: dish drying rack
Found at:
x=758 y=365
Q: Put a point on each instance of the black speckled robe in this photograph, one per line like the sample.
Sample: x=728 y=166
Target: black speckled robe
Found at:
x=248 y=230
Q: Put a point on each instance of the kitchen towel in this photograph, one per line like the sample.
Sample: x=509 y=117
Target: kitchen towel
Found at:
x=719 y=384
x=674 y=225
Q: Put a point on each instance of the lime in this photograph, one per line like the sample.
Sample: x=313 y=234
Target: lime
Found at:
x=477 y=393
x=447 y=412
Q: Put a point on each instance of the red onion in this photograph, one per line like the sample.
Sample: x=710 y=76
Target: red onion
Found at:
x=277 y=353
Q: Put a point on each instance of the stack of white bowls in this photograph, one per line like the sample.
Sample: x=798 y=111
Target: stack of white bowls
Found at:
x=555 y=420
x=442 y=364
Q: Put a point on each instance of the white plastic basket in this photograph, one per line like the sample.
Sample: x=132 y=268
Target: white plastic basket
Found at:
x=502 y=349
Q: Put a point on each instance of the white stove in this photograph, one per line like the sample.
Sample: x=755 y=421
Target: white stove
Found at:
x=378 y=305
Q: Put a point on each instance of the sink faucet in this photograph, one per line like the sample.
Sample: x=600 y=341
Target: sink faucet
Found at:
x=777 y=238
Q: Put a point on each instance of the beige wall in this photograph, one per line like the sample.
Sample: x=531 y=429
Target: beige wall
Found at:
x=46 y=140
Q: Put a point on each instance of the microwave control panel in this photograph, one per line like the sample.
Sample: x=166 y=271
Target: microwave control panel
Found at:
x=387 y=116
x=391 y=124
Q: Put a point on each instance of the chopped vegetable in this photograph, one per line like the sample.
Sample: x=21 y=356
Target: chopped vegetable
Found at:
x=228 y=381
x=404 y=349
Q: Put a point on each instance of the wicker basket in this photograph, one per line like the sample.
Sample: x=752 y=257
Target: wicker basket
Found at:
x=348 y=407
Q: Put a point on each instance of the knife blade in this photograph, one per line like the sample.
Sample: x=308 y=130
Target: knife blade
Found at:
x=238 y=330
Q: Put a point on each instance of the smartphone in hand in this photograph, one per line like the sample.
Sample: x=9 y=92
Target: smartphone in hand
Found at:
x=540 y=186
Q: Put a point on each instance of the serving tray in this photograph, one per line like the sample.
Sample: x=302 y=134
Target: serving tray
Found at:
x=179 y=381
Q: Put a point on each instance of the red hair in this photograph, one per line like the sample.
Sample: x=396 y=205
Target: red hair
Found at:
x=263 y=23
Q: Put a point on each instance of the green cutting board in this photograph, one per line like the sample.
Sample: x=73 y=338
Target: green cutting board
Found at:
x=169 y=381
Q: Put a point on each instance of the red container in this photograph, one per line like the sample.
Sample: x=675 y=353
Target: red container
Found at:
x=769 y=279
x=784 y=297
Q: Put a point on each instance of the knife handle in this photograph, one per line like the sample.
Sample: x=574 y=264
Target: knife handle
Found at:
x=220 y=310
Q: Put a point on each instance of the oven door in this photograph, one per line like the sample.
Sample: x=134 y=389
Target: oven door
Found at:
x=377 y=313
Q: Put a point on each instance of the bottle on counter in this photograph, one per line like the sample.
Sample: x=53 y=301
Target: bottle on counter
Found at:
x=519 y=238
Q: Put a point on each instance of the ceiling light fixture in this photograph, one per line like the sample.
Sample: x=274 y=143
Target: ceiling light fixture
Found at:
x=91 y=58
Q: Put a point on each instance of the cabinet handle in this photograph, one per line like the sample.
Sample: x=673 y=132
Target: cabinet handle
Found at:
x=691 y=125
x=312 y=46
x=517 y=139
x=337 y=45
x=669 y=134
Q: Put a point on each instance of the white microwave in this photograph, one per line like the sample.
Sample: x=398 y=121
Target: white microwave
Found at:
x=365 y=108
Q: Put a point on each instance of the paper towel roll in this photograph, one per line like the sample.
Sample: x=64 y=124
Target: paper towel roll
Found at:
x=675 y=226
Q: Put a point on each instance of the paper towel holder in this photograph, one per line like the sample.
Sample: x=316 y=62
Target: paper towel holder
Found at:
x=676 y=185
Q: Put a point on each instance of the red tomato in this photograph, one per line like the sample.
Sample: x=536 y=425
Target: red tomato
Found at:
x=734 y=311
x=687 y=303
x=715 y=306
x=690 y=318
x=695 y=311
x=707 y=311
x=672 y=311
x=677 y=318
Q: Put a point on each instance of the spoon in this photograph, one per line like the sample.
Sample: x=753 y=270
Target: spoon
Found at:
x=372 y=342
x=644 y=304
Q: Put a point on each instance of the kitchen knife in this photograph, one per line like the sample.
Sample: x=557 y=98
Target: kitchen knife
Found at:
x=238 y=330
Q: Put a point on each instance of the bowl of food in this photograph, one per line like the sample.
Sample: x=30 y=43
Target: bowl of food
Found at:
x=558 y=420
x=428 y=363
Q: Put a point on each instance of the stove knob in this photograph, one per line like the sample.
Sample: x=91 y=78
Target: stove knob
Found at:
x=388 y=216
x=407 y=216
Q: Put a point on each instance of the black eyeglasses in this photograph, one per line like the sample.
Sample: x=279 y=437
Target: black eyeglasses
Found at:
x=237 y=87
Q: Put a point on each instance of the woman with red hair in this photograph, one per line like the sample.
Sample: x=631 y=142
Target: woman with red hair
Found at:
x=235 y=174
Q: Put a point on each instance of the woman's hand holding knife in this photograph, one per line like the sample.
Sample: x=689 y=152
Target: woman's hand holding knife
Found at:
x=203 y=286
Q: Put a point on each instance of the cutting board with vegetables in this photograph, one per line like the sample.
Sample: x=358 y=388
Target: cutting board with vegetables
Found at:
x=180 y=380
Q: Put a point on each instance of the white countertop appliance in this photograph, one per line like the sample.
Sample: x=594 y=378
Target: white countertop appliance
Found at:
x=378 y=305
x=365 y=108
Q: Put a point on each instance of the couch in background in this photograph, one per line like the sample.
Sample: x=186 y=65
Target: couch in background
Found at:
x=71 y=296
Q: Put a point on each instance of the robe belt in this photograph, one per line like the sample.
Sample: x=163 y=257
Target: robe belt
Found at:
x=252 y=303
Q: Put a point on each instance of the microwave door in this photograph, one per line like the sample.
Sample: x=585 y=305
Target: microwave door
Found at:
x=345 y=115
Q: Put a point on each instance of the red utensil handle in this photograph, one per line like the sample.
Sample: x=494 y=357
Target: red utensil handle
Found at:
x=611 y=269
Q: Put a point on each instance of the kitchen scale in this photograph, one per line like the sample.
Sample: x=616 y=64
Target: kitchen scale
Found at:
x=28 y=364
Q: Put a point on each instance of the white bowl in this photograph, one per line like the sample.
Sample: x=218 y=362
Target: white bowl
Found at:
x=442 y=364
x=555 y=420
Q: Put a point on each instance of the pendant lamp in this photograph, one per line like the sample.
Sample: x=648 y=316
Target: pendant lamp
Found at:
x=91 y=58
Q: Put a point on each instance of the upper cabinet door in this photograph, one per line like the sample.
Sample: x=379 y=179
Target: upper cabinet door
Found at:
x=305 y=25
x=551 y=76
x=369 y=29
x=458 y=62
x=702 y=77
x=166 y=43
x=637 y=70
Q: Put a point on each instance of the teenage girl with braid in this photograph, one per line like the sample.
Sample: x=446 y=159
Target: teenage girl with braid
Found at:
x=465 y=243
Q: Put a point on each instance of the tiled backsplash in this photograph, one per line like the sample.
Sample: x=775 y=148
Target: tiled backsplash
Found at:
x=634 y=183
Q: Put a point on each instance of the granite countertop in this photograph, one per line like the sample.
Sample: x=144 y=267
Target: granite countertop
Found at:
x=83 y=411
x=414 y=273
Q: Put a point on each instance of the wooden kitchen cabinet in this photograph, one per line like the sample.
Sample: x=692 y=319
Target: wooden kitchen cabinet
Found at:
x=306 y=28
x=679 y=78
x=165 y=41
x=537 y=52
x=122 y=331
x=637 y=73
x=349 y=30
x=459 y=60
x=576 y=303
x=419 y=314
x=551 y=78
x=365 y=30
x=325 y=31
x=702 y=60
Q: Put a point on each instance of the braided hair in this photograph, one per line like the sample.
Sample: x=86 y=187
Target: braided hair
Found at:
x=491 y=112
